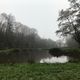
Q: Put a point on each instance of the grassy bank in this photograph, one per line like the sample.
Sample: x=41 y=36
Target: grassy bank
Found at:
x=68 y=71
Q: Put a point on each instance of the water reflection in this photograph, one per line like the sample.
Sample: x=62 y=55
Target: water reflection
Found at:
x=61 y=59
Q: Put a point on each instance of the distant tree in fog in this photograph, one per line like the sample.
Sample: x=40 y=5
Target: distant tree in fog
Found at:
x=6 y=29
x=60 y=43
x=70 y=42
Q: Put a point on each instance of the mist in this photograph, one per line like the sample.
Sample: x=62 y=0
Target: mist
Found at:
x=61 y=59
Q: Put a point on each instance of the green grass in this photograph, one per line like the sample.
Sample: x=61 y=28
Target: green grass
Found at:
x=67 y=71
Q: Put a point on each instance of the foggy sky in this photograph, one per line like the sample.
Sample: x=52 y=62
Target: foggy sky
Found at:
x=38 y=14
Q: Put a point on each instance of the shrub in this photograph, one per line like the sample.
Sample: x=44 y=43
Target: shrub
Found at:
x=56 y=52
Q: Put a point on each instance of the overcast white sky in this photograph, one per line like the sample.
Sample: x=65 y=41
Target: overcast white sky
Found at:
x=39 y=14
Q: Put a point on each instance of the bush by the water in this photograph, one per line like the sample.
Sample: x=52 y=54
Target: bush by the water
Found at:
x=72 y=53
x=56 y=52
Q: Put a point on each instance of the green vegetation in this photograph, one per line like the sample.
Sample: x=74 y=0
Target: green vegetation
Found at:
x=69 y=71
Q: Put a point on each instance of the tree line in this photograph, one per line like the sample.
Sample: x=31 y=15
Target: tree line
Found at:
x=14 y=34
